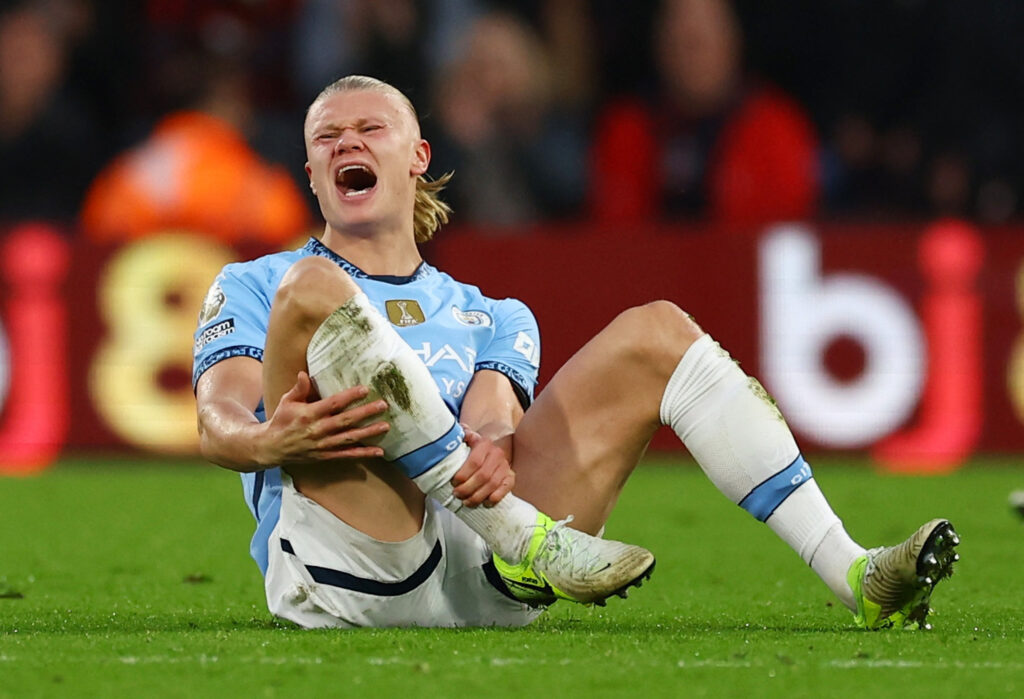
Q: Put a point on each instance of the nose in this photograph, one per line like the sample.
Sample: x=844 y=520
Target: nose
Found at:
x=347 y=142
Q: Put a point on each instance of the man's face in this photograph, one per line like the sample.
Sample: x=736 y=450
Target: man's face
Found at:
x=364 y=153
x=698 y=50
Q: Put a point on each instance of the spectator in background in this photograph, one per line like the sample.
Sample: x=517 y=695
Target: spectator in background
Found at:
x=197 y=172
x=256 y=31
x=519 y=153
x=712 y=143
x=46 y=129
x=922 y=108
x=401 y=41
x=569 y=32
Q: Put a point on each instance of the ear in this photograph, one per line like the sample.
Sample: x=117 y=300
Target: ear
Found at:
x=309 y=174
x=420 y=159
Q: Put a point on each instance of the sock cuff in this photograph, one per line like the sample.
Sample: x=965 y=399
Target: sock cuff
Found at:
x=436 y=482
x=706 y=376
x=765 y=497
x=682 y=375
x=429 y=456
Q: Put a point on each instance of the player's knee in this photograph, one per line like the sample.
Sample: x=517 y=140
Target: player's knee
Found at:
x=313 y=288
x=658 y=332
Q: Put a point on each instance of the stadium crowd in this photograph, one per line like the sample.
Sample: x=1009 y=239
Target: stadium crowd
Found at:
x=118 y=116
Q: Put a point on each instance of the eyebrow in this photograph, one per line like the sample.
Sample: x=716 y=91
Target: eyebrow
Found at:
x=361 y=121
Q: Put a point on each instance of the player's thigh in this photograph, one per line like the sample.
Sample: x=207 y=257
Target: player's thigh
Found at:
x=580 y=440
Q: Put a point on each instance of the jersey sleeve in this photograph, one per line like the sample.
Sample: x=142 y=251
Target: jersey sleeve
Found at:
x=515 y=348
x=232 y=321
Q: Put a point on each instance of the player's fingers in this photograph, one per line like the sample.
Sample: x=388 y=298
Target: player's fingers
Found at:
x=475 y=489
x=353 y=416
x=340 y=401
x=469 y=467
x=300 y=389
x=467 y=484
x=507 y=484
x=500 y=481
x=354 y=452
x=353 y=436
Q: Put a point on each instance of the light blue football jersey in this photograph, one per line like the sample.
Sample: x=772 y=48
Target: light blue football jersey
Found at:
x=451 y=326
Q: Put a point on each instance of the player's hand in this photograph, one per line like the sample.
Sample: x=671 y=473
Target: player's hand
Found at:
x=324 y=429
x=486 y=477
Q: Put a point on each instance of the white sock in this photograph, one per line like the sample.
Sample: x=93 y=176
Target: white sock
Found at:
x=806 y=522
x=356 y=345
x=507 y=527
x=735 y=432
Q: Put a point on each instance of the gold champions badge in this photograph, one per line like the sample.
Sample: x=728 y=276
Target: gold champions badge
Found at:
x=404 y=312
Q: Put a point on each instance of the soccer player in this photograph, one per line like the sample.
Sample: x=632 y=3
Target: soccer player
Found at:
x=398 y=468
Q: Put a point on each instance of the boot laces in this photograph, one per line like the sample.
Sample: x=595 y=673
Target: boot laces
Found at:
x=561 y=549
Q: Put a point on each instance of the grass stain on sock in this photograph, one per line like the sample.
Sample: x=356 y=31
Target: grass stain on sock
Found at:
x=391 y=386
x=353 y=313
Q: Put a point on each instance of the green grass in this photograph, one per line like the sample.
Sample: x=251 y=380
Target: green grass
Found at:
x=134 y=579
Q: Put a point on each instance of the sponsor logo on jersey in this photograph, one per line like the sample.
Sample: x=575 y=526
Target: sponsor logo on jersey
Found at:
x=212 y=304
x=472 y=318
x=215 y=332
x=404 y=312
x=447 y=353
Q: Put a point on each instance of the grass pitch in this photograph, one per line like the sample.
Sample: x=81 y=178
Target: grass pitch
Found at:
x=134 y=579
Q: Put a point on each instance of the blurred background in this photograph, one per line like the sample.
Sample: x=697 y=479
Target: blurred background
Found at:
x=871 y=108
x=701 y=150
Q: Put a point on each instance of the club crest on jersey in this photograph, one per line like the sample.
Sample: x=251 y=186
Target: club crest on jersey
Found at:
x=212 y=304
x=404 y=312
x=476 y=319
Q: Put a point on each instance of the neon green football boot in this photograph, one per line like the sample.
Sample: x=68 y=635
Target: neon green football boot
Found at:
x=564 y=563
x=893 y=585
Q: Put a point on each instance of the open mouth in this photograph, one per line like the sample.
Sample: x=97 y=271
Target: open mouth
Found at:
x=354 y=180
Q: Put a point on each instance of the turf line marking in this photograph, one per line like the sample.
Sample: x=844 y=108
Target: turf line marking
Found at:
x=209 y=659
x=840 y=664
x=715 y=663
x=854 y=663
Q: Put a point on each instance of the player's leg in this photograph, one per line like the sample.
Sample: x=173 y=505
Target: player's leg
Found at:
x=653 y=365
x=578 y=443
x=584 y=434
x=372 y=495
x=353 y=344
x=321 y=319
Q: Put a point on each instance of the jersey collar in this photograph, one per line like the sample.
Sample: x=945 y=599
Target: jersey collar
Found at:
x=315 y=247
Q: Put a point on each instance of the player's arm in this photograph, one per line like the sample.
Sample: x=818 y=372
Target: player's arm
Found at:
x=490 y=412
x=492 y=409
x=230 y=435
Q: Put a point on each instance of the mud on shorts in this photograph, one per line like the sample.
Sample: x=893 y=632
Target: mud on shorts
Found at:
x=324 y=573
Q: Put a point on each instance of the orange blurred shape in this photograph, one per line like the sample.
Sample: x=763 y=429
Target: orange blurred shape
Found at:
x=196 y=173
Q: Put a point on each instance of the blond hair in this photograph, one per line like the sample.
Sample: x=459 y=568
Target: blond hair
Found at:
x=429 y=211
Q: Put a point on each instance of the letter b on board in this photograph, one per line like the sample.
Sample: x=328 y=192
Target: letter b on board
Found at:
x=802 y=311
